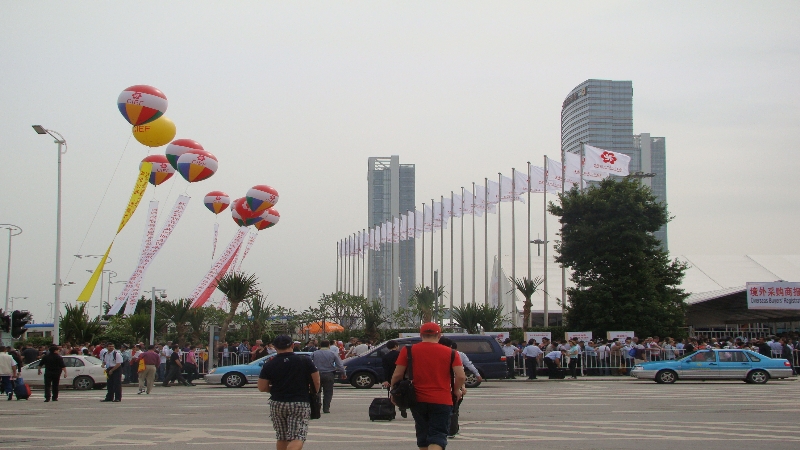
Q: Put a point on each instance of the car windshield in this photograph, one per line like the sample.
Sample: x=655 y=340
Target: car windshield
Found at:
x=259 y=360
x=92 y=360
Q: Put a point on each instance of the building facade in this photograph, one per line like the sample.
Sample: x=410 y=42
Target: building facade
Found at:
x=653 y=156
x=392 y=269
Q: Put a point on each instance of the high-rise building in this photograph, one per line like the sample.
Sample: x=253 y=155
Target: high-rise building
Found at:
x=600 y=113
x=653 y=155
x=392 y=269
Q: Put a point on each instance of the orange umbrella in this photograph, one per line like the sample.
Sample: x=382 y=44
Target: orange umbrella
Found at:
x=316 y=327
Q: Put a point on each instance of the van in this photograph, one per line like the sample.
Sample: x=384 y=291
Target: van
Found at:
x=363 y=372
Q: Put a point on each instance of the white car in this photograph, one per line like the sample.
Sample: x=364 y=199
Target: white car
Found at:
x=83 y=372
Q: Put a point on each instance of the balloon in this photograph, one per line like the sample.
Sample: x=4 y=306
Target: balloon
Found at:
x=161 y=171
x=156 y=133
x=268 y=219
x=243 y=212
x=179 y=147
x=261 y=197
x=141 y=104
x=197 y=165
x=237 y=218
x=217 y=201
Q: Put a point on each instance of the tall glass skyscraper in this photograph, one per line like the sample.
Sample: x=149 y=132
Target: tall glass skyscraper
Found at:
x=600 y=113
x=392 y=270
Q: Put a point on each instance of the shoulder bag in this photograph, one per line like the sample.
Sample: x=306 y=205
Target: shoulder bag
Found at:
x=403 y=392
x=313 y=400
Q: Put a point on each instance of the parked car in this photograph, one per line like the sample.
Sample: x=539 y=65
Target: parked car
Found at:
x=83 y=372
x=716 y=364
x=240 y=374
x=363 y=372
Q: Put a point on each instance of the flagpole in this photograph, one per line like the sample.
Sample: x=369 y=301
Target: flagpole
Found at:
x=364 y=262
x=499 y=243
x=358 y=266
x=473 y=242
x=441 y=245
x=514 y=241
x=581 y=166
x=347 y=267
x=423 y=244
x=392 y=298
x=408 y=219
x=368 y=266
x=544 y=196
x=354 y=287
x=433 y=232
x=563 y=269
x=337 y=267
x=452 y=197
x=530 y=316
x=461 y=254
x=486 y=241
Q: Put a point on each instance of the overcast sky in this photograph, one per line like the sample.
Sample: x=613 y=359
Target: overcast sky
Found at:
x=298 y=95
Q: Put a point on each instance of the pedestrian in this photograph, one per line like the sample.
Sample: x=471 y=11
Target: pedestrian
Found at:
x=190 y=364
x=510 y=351
x=328 y=365
x=126 y=364
x=553 y=362
x=289 y=379
x=388 y=362
x=532 y=353
x=53 y=368
x=163 y=366
x=30 y=354
x=258 y=351
x=8 y=372
x=151 y=360
x=439 y=379
x=113 y=364
x=175 y=368
x=573 y=353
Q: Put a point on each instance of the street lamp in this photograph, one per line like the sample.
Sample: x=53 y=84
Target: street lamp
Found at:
x=13 y=230
x=59 y=139
x=16 y=298
x=153 y=313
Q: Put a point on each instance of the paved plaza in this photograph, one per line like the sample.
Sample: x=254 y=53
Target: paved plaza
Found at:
x=583 y=414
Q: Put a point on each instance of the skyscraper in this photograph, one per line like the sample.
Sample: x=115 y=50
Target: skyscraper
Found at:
x=600 y=113
x=392 y=270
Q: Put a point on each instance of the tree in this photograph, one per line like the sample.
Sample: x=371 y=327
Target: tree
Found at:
x=261 y=313
x=526 y=287
x=76 y=325
x=424 y=300
x=467 y=317
x=238 y=287
x=490 y=317
x=178 y=313
x=373 y=316
x=623 y=279
x=197 y=321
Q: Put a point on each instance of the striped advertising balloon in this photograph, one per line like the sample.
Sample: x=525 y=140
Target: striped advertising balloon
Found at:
x=237 y=216
x=244 y=211
x=161 y=171
x=217 y=201
x=268 y=219
x=141 y=104
x=197 y=165
x=261 y=197
x=178 y=147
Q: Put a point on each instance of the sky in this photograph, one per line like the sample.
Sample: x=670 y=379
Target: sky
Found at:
x=297 y=95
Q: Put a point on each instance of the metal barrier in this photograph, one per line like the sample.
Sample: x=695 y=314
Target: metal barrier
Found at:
x=231 y=359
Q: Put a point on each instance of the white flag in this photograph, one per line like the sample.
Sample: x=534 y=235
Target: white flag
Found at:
x=507 y=188
x=469 y=203
x=599 y=160
x=419 y=226
x=427 y=214
x=457 y=205
x=574 y=169
x=553 y=176
x=537 y=180
x=494 y=192
x=520 y=183
x=481 y=205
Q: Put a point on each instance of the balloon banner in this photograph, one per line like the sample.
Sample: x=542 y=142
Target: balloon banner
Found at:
x=210 y=289
x=147 y=239
x=133 y=203
x=251 y=239
x=216 y=233
x=130 y=293
x=223 y=261
x=141 y=104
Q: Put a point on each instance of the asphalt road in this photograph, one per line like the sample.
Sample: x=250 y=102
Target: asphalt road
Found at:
x=584 y=414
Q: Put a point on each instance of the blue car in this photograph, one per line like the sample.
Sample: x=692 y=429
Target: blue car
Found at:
x=240 y=374
x=716 y=364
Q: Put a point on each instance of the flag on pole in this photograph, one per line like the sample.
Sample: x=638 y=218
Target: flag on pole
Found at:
x=599 y=160
x=538 y=183
x=494 y=192
x=573 y=162
x=507 y=188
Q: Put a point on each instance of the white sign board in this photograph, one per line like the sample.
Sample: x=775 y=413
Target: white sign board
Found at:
x=773 y=295
x=538 y=335
x=621 y=335
x=584 y=336
x=499 y=336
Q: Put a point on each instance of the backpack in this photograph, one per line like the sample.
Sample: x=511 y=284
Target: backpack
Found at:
x=632 y=352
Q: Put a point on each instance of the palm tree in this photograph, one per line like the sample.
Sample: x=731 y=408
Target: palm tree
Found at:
x=138 y=326
x=467 y=317
x=178 y=312
x=238 y=287
x=261 y=313
x=76 y=325
x=424 y=300
x=527 y=288
x=373 y=317
x=197 y=320
x=490 y=317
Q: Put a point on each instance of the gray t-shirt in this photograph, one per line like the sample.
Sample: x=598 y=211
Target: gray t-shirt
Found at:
x=326 y=361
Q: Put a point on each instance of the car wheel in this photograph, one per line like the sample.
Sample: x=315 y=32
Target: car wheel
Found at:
x=666 y=376
x=362 y=380
x=83 y=383
x=758 y=377
x=233 y=380
x=472 y=381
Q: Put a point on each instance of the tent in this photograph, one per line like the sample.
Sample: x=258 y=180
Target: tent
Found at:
x=316 y=327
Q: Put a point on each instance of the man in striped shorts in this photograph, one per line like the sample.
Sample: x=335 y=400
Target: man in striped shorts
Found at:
x=288 y=378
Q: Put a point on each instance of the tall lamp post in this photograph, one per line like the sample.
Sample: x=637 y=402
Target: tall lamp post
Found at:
x=16 y=298
x=102 y=278
x=153 y=313
x=62 y=149
x=13 y=230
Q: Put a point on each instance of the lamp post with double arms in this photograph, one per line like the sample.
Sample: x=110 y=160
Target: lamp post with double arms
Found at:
x=13 y=230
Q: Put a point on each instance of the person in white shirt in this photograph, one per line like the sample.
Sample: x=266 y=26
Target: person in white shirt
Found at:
x=603 y=357
x=359 y=350
x=553 y=361
x=164 y=355
x=532 y=353
x=113 y=365
x=8 y=372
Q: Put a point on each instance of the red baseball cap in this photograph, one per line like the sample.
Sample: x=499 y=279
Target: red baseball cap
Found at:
x=430 y=328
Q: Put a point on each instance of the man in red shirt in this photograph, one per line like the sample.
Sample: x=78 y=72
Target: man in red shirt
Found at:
x=433 y=375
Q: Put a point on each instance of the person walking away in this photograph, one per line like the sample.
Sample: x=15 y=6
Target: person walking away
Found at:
x=388 y=362
x=328 y=365
x=289 y=378
x=8 y=372
x=30 y=355
x=53 y=368
x=113 y=364
x=438 y=383
x=175 y=368
x=151 y=360
x=532 y=353
x=190 y=366
x=510 y=351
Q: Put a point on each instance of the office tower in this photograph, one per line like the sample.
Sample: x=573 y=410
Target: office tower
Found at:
x=392 y=269
x=654 y=161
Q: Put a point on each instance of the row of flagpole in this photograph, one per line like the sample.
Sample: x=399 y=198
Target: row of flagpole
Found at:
x=555 y=177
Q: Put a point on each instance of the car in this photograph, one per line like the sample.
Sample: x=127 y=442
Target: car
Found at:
x=83 y=372
x=362 y=372
x=715 y=364
x=240 y=374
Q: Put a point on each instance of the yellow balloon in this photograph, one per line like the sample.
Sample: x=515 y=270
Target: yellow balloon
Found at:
x=156 y=133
